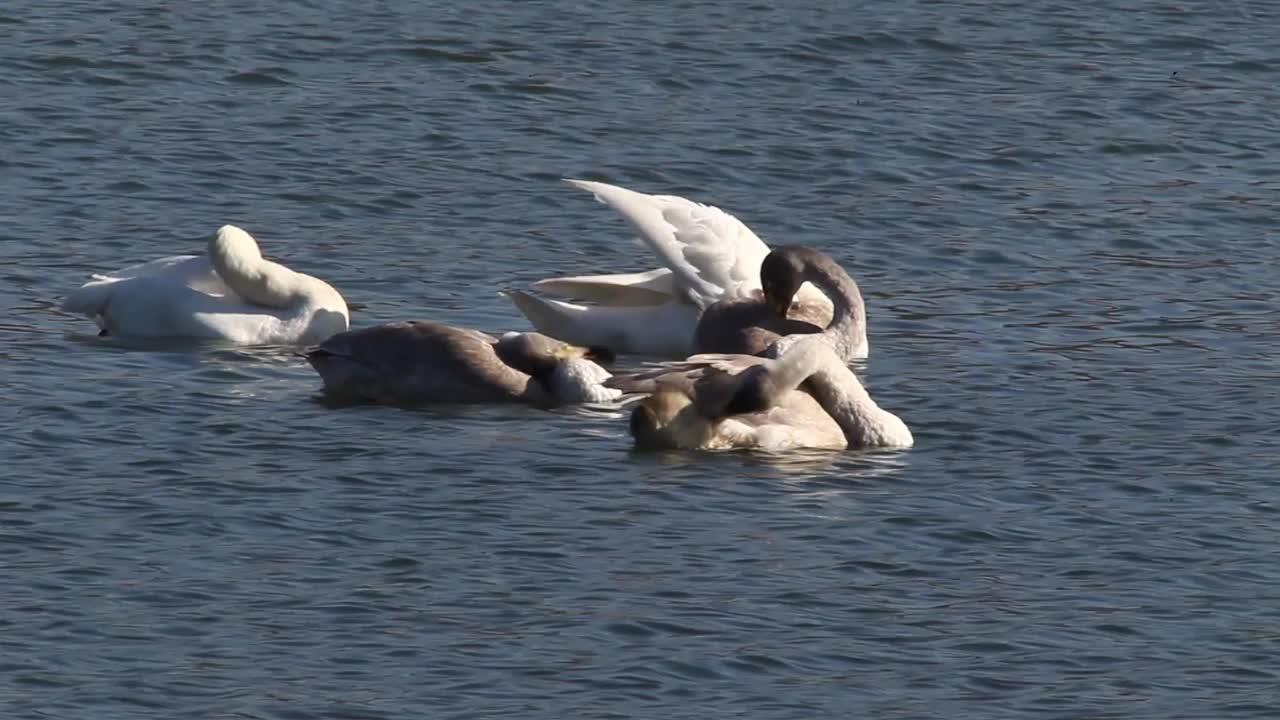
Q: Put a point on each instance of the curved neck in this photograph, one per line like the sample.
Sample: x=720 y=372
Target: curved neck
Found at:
x=807 y=355
x=765 y=385
x=237 y=260
x=847 y=332
x=864 y=423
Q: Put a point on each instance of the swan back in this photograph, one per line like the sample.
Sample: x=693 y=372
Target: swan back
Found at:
x=410 y=363
x=671 y=420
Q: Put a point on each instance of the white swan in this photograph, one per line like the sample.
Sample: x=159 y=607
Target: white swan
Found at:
x=230 y=293
x=727 y=401
x=707 y=255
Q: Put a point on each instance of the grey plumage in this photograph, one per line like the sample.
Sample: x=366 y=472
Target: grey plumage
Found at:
x=716 y=401
x=750 y=325
x=418 y=362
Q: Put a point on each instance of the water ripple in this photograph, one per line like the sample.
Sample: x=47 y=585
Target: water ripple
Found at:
x=1062 y=219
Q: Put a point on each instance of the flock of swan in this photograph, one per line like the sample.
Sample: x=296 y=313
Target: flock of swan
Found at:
x=757 y=341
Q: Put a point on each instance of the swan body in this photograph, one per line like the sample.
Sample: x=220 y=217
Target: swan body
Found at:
x=727 y=401
x=231 y=293
x=707 y=256
x=415 y=363
x=671 y=420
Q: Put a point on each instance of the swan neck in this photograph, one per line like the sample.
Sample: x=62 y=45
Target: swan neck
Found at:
x=236 y=258
x=863 y=422
x=847 y=331
x=803 y=360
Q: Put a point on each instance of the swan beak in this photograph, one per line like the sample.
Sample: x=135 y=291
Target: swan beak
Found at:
x=601 y=355
x=777 y=304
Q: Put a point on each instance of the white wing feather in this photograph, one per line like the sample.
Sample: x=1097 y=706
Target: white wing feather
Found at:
x=711 y=253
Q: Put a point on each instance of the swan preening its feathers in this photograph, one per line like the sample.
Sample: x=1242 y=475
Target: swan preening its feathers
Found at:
x=804 y=396
x=231 y=293
x=712 y=266
x=767 y=333
x=416 y=363
x=770 y=333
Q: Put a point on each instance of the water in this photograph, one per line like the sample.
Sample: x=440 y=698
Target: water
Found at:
x=1063 y=217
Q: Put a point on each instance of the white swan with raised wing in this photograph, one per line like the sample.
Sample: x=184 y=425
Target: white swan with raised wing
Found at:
x=707 y=256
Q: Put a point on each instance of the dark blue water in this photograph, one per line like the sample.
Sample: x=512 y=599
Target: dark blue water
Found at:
x=1063 y=216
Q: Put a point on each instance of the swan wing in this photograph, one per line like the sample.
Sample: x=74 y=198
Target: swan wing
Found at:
x=665 y=330
x=711 y=381
x=711 y=253
x=415 y=362
x=155 y=306
x=194 y=271
x=652 y=287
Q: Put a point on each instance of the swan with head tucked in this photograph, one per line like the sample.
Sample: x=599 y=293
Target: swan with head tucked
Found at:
x=231 y=293
x=730 y=401
x=708 y=256
x=415 y=363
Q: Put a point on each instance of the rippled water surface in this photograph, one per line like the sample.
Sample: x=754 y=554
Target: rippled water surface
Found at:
x=1063 y=216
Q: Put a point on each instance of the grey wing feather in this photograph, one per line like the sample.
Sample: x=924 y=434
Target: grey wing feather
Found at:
x=709 y=380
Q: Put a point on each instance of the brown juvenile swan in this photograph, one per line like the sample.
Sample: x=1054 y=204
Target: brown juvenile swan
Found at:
x=726 y=401
x=414 y=362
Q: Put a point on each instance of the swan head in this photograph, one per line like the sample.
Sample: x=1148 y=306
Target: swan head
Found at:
x=668 y=420
x=782 y=273
x=539 y=355
x=756 y=391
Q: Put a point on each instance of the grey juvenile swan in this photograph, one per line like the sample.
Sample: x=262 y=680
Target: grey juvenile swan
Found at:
x=727 y=401
x=750 y=324
x=414 y=363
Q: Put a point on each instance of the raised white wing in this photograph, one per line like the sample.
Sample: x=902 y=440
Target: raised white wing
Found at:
x=711 y=254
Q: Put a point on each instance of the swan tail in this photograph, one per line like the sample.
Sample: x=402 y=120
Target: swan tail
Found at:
x=89 y=300
x=665 y=330
x=653 y=287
